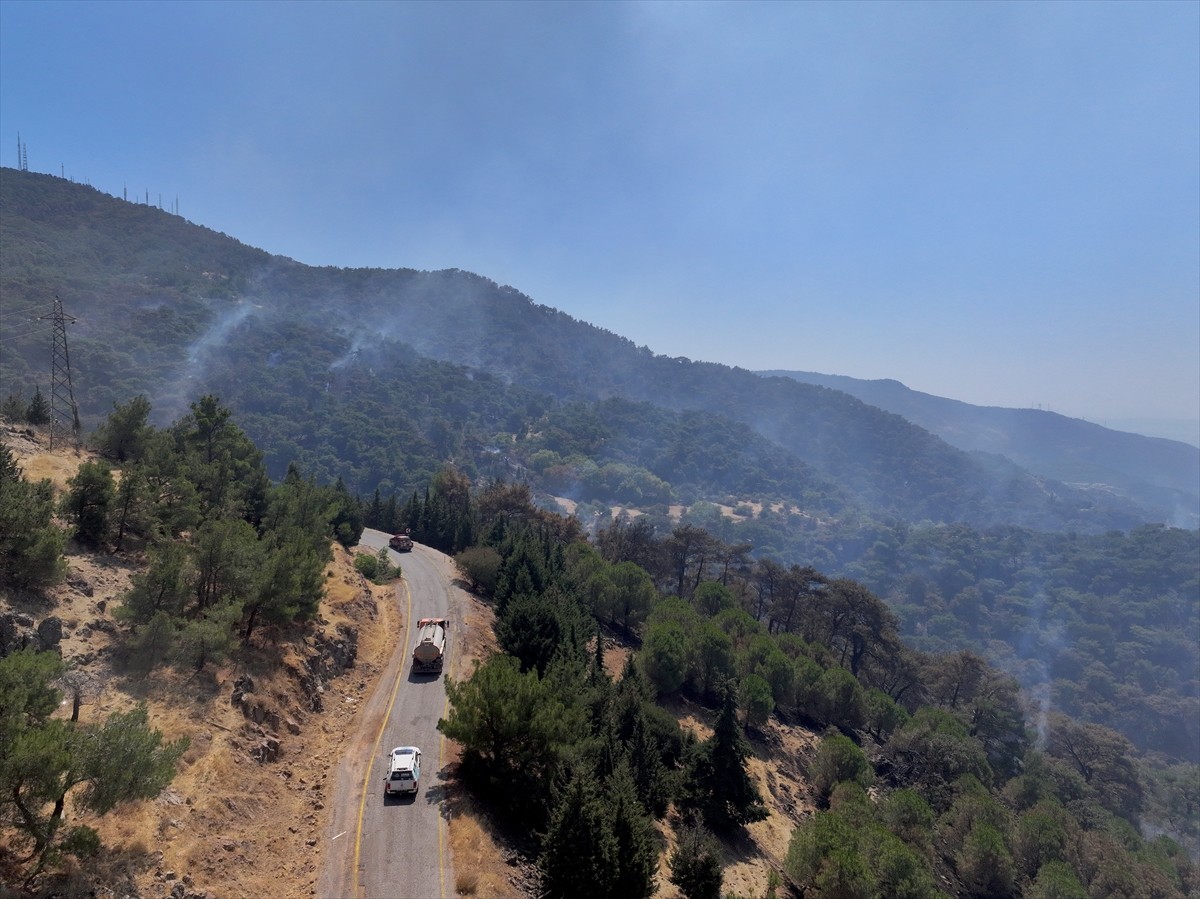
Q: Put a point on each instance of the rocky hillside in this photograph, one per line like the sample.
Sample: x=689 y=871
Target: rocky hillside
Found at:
x=245 y=813
x=246 y=816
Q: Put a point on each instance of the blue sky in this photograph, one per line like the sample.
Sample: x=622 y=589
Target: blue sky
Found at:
x=995 y=202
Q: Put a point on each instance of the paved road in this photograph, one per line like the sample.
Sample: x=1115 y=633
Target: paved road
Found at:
x=395 y=848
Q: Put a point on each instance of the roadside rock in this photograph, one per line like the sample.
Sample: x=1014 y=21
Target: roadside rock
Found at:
x=50 y=632
x=8 y=633
x=332 y=654
x=18 y=632
x=243 y=685
x=335 y=654
x=267 y=750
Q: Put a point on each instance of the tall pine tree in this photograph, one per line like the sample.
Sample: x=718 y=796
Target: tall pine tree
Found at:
x=717 y=785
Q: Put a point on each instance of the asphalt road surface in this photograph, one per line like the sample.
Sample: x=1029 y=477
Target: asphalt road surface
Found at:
x=396 y=848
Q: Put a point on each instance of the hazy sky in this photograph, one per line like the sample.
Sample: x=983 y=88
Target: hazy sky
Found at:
x=995 y=202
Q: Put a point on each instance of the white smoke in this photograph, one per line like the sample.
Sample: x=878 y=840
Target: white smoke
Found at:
x=351 y=355
x=214 y=337
x=173 y=401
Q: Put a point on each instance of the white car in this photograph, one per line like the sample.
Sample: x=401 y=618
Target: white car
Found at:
x=404 y=771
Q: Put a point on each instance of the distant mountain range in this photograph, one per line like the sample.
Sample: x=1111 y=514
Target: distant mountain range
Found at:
x=380 y=376
x=1156 y=472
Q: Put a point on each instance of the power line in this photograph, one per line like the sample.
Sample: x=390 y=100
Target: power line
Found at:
x=8 y=310
x=12 y=338
x=32 y=314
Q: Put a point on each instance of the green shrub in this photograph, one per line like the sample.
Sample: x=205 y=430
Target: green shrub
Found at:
x=837 y=760
x=367 y=566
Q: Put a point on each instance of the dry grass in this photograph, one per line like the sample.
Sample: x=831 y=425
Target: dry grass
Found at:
x=476 y=846
x=30 y=447
x=776 y=767
x=232 y=826
x=237 y=828
x=466 y=884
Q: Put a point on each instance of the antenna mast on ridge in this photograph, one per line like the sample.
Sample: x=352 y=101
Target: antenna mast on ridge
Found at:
x=62 y=398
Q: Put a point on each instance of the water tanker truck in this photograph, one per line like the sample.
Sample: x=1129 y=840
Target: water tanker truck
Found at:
x=430 y=651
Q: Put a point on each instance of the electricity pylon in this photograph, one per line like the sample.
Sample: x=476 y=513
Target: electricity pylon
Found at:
x=62 y=398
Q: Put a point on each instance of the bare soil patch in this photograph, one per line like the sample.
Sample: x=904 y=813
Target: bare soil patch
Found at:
x=232 y=826
x=229 y=824
x=777 y=765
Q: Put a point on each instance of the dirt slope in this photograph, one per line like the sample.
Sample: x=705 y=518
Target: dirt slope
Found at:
x=232 y=825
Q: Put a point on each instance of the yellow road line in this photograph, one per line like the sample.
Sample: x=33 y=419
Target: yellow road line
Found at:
x=387 y=716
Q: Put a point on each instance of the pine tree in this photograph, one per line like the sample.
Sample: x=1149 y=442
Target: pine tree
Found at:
x=45 y=759
x=227 y=557
x=164 y=586
x=984 y=864
x=31 y=546
x=410 y=516
x=346 y=518
x=123 y=434
x=631 y=725
x=10 y=472
x=390 y=522
x=513 y=729
x=717 y=784
x=150 y=646
x=14 y=409
x=131 y=508
x=38 y=412
x=374 y=513
x=288 y=583
x=637 y=854
x=651 y=775
x=88 y=501
x=579 y=851
x=695 y=864
x=597 y=674
x=599 y=691
x=208 y=638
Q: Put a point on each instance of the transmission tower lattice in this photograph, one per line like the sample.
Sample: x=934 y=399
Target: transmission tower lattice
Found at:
x=62 y=398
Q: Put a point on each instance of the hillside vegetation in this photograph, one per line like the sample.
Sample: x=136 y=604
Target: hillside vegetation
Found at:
x=1158 y=473
x=140 y=631
x=377 y=378
x=370 y=382
x=170 y=310
x=932 y=775
x=966 y=796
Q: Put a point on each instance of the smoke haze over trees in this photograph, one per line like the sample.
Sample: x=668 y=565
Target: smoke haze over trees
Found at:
x=816 y=547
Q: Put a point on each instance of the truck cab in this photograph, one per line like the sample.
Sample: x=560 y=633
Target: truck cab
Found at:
x=401 y=543
x=404 y=771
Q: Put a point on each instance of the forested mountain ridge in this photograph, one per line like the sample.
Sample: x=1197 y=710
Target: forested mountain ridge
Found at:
x=383 y=377
x=1156 y=472
x=919 y=771
x=170 y=309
